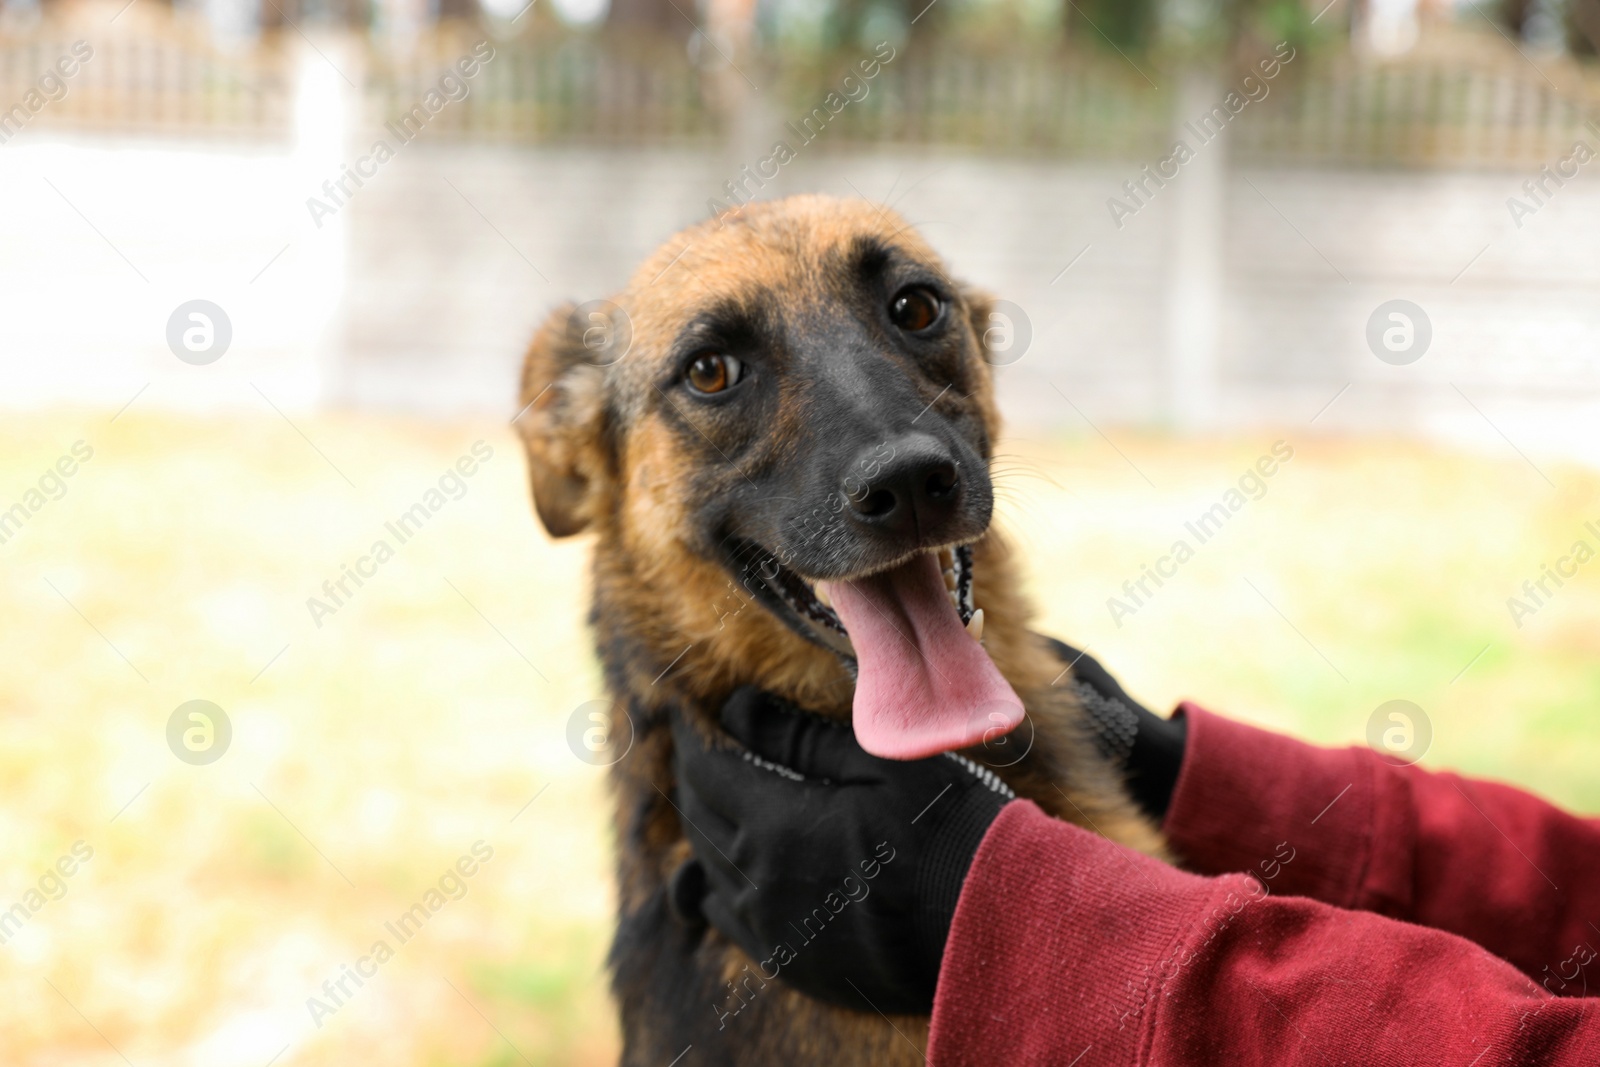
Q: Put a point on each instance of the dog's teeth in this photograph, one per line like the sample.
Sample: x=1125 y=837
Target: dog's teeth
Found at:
x=975 y=625
x=946 y=559
x=950 y=580
x=822 y=596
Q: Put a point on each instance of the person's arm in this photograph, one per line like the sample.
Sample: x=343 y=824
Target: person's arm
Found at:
x=1069 y=949
x=1488 y=862
x=1485 y=861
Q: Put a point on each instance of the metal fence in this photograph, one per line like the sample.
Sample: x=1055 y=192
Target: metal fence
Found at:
x=1475 y=110
x=1473 y=107
x=162 y=84
x=1480 y=112
x=564 y=88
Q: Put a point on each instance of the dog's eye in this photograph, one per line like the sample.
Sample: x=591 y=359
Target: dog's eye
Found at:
x=915 y=309
x=712 y=373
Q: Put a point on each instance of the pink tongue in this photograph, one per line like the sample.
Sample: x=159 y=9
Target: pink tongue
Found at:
x=925 y=686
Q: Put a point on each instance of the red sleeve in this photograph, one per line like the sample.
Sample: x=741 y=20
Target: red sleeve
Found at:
x=1485 y=861
x=1069 y=949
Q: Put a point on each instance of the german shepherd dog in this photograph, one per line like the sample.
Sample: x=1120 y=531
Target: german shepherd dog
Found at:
x=780 y=434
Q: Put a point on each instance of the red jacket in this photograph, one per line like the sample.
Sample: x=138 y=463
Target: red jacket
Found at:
x=1388 y=916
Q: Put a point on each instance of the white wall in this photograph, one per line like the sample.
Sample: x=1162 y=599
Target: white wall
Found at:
x=435 y=290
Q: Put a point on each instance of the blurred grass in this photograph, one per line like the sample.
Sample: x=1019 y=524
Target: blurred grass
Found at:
x=390 y=739
x=1369 y=571
x=415 y=721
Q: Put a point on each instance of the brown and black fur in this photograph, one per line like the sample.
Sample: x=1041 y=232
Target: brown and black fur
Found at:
x=614 y=453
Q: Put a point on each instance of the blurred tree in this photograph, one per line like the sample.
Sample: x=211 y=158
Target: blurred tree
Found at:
x=276 y=14
x=1190 y=29
x=853 y=21
x=1514 y=14
x=1130 y=25
x=1583 y=27
x=1270 y=21
x=650 y=16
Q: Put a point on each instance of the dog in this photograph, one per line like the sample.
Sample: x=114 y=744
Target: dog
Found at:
x=779 y=431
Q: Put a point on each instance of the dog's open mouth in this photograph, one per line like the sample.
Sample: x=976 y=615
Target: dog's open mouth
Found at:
x=924 y=683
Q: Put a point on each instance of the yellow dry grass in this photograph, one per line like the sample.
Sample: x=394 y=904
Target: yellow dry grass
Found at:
x=425 y=713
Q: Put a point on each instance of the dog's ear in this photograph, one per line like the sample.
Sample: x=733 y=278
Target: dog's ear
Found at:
x=563 y=424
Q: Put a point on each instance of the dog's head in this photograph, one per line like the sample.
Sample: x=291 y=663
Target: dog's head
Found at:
x=791 y=409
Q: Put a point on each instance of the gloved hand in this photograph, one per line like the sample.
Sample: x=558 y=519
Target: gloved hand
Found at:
x=860 y=861
x=1149 y=748
x=835 y=869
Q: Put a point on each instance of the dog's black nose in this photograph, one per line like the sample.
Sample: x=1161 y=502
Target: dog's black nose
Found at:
x=907 y=486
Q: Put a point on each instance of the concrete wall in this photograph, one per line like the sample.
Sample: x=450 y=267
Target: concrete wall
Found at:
x=1287 y=266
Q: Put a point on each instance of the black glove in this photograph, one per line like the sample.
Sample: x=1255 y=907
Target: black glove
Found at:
x=1149 y=748
x=837 y=870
